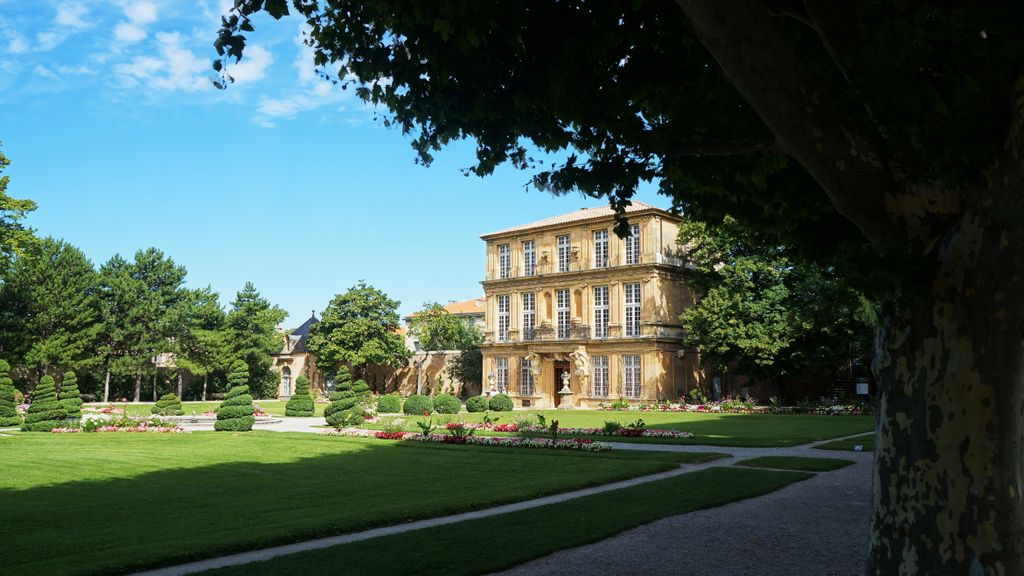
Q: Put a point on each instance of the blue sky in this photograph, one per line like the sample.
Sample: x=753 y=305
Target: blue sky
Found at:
x=111 y=124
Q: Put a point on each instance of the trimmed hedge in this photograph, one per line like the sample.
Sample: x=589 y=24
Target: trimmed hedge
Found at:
x=168 y=405
x=345 y=409
x=70 y=397
x=500 y=403
x=477 y=404
x=300 y=404
x=389 y=404
x=235 y=413
x=46 y=412
x=447 y=404
x=8 y=413
x=418 y=404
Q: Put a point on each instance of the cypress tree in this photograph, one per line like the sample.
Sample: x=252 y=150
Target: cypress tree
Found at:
x=69 y=395
x=46 y=412
x=235 y=413
x=300 y=404
x=342 y=401
x=8 y=413
x=168 y=405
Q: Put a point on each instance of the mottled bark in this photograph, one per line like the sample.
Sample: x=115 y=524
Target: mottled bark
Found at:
x=138 y=387
x=154 y=387
x=206 y=379
x=181 y=384
x=106 y=387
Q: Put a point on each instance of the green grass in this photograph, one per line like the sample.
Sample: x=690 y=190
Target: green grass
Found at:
x=747 y=430
x=499 y=542
x=867 y=441
x=796 y=463
x=272 y=407
x=103 y=503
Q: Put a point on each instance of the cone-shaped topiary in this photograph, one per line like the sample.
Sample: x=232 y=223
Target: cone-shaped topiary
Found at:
x=69 y=395
x=301 y=403
x=168 y=405
x=235 y=413
x=8 y=413
x=46 y=412
x=339 y=413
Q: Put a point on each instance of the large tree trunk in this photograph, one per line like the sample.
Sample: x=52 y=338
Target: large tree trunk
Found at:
x=138 y=387
x=206 y=379
x=154 y=387
x=949 y=467
x=181 y=384
x=106 y=387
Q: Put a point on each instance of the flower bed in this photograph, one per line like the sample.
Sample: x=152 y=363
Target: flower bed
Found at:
x=143 y=427
x=627 y=432
x=583 y=444
x=735 y=407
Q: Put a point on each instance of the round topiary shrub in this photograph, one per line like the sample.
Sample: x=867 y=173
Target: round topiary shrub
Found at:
x=389 y=404
x=418 y=404
x=168 y=405
x=447 y=404
x=8 y=400
x=300 y=404
x=477 y=404
x=46 y=412
x=235 y=414
x=70 y=397
x=500 y=403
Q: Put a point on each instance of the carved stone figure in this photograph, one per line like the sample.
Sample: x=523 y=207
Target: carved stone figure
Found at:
x=582 y=366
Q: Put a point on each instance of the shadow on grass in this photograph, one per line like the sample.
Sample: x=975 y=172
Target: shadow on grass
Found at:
x=317 y=487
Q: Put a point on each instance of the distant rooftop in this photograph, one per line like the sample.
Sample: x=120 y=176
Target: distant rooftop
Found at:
x=578 y=216
x=471 y=307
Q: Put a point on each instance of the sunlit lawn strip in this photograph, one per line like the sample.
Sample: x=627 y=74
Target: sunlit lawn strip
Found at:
x=867 y=441
x=796 y=463
x=169 y=498
x=272 y=407
x=529 y=534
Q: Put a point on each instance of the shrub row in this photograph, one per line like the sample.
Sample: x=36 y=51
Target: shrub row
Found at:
x=8 y=413
x=46 y=412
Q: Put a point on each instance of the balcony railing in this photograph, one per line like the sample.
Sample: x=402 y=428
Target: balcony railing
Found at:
x=547 y=332
x=544 y=268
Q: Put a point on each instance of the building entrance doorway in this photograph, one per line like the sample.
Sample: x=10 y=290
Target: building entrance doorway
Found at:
x=560 y=368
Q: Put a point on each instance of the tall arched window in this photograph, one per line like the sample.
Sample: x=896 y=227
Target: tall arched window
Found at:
x=286 y=381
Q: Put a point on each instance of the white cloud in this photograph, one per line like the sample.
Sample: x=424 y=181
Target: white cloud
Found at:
x=316 y=92
x=45 y=72
x=16 y=43
x=176 y=68
x=253 y=66
x=72 y=15
x=76 y=70
x=141 y=12
x=128 y=33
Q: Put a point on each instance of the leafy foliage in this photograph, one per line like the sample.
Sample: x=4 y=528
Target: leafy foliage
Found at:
x=251 y=328
x=358 y=329
x=418 y=404
x=764 y=311
x=168 y=405
x=15 y=237
x=476 y=404
x=437 y=329
x=69 y=396
x=500 y=403
x=447 y=404
x=235 y=414
x=46 y=412
x=8 y=413
x=389 y=404
x=301 y=403
x=345 y=408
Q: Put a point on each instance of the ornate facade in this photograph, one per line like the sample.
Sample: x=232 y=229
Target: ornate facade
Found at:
x=576 y=316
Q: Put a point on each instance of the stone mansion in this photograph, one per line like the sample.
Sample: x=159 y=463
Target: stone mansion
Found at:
x=576 y=316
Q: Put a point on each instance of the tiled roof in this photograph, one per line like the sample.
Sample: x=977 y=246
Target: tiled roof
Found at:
x=577 y=216
x=304 y=329
x=471 y=307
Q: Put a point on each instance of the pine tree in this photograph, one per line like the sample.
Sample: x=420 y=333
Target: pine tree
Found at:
x=168 y=405
x=46 y=412
x=69 y=395
x=300 y=404
x=339 y=413
x=235 y=413
x=8 y=413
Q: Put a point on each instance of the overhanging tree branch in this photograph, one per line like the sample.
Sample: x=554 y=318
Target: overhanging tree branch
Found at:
x=752 y=145
x=742 y=38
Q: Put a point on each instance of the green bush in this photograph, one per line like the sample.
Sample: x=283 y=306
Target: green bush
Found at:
x=500 y=403
x=418 y=404
x=236 y=413
x=168 y=405
x=477 y=404
x=70 y=397
x=345 y=409
x=46 y=412
x=8 y=400
x=300 y=404
x=447 y=404
x=389 y=404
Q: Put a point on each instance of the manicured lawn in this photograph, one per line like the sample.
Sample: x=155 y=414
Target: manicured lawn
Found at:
x=103 y=503
x=753 y=430
x=867 y=441
x=796 y=463
x=490 y=544
x=272 y=407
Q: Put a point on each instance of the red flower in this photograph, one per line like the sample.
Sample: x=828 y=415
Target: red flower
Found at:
x=426 y=412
